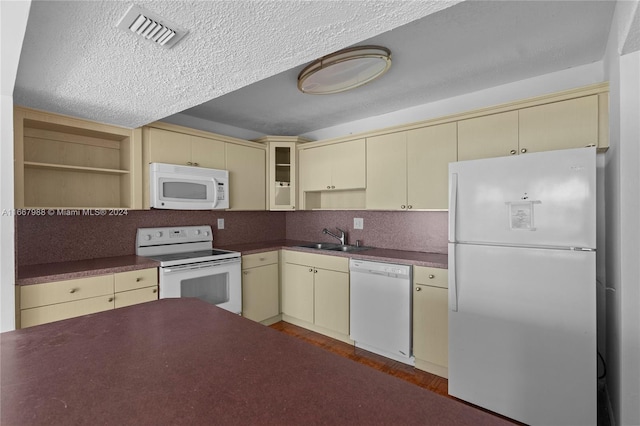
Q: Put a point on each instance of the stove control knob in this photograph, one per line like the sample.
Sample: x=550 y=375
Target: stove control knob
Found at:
x=197 y=232
x=147 y=237
x=158 y=234
x=206 y=233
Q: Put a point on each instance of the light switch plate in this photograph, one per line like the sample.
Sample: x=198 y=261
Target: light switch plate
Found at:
x=358 y=223
x=220 y=223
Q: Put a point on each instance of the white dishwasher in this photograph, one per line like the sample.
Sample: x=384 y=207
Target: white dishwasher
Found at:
x=380 y=308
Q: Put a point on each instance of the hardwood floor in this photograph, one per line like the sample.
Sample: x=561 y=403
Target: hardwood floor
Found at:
x=405 y=372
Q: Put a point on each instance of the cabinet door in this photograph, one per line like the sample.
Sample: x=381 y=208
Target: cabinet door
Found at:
x=60 y=311
x=260 y=292
x=493 y=135
x=169 y=147
x=348 y=165
x=431 y=324
x=560 y=125
x=429 y=152
x=387 y=171
x=315 y=169
x=297 y=291
x=247 y=175
x=331 y=301
x=282 y=175
x=133 y=297
x=208 y=153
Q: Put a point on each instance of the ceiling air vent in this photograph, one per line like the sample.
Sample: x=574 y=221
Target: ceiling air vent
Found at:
x=151 y=27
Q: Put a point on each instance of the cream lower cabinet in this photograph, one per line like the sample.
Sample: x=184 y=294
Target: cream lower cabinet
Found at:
x=410 y=169
x=315 y=293
x=260 y=287
x=431 y=320
x=247 y=177
x=54 y=301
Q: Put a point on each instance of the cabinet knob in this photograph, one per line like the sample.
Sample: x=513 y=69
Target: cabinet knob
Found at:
x=262 y=259
x=328 y=187
x=138 y=279
x=196 y=164
x=431 y=276
x=293 y=207
x=333 y=187
x=245 y=272
x=590 y=145
x=310 y=269
x=409 y=206
x=523 y=150
x=111 y=299
x=403 y=206
x=418 y=289
x=155 y=290
x=73 y=290
x=189 y=163
x=315 y=271
x=513 y=152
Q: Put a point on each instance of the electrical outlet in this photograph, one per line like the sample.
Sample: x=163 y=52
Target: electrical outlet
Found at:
x=220 y=223
x=358 y=223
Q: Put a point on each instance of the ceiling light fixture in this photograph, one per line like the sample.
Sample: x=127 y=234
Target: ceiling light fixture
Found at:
x=344 y=70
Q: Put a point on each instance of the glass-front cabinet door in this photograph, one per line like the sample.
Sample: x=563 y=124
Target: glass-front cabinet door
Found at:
x=282 y=172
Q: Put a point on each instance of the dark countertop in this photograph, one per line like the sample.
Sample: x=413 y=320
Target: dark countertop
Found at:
x=183 y=361
x=47 y=272
x=404 y=257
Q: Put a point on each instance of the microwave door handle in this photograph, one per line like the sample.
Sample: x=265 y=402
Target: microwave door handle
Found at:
x=215 y=193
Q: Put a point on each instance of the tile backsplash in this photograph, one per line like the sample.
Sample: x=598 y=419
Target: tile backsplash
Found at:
x=64 y=238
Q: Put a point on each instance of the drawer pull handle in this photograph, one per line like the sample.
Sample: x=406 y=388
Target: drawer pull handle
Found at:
x=262 y=259
x=431 y=276
x=418 y=289
x=73 y=290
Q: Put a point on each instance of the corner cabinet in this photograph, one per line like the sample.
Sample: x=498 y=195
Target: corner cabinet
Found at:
x=245 y=161
x=431 y=320
x=282 y=171
x=66 y=162
x=55 y=301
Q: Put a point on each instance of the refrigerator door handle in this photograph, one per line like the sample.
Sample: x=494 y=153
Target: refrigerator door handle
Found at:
x=453 y=203
x=453 y=283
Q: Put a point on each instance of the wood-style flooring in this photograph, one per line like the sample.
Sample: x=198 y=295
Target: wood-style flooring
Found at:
x=405 y=372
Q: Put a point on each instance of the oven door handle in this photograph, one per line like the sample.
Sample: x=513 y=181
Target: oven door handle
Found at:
x=198 y=266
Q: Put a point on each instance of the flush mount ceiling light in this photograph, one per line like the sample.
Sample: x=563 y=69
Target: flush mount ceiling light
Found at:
x=151 y=27
x=344 y=70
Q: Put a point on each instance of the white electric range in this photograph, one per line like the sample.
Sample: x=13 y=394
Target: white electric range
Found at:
x=191 y=267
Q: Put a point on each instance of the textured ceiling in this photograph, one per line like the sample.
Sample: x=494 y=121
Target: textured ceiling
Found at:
x=75 y=61
x=468 y=47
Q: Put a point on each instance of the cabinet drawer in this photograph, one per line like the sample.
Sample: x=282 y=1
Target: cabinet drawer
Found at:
x=435 y=277
x=259 y=259
x=124 y=281
x=322 y=261
x=60 y=311
x=133 y=297
x=35 y=295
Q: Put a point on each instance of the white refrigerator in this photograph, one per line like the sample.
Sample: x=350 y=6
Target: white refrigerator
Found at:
x=522 y=286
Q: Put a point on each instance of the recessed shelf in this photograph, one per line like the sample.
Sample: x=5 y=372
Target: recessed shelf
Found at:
x=51 y=166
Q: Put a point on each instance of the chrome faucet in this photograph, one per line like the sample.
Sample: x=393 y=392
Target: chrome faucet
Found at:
x=342 y=237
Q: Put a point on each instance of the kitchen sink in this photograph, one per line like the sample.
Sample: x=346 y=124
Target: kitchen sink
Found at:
x=334 y=247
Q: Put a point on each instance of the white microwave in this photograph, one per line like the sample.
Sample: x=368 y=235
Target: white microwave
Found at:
x=187 y=188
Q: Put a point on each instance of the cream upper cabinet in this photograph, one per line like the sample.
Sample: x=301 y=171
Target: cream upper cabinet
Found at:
x=560 y=125
x=429 y=152
x=179 y=148
x=333 y=167
x=494 y=135
x=409 y=170
x=208 y=153
x=430 y=320
x=387 y=172
x=247 y=177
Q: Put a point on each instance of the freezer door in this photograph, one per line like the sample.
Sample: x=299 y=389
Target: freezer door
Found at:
x=522 y=342
x=539 y=199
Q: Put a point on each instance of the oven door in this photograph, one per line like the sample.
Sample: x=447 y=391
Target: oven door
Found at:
x=217 y=282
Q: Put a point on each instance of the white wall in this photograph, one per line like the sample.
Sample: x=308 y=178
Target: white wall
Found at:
x=536 y=86
x=13 y=23
x=622 y=183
